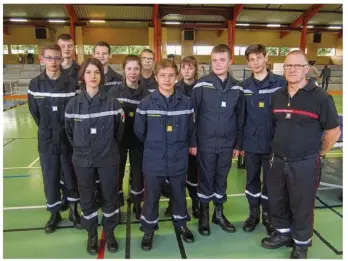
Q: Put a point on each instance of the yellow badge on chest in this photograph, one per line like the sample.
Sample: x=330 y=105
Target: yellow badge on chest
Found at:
x=131 y=114
x=261 y=104
x=169 y=128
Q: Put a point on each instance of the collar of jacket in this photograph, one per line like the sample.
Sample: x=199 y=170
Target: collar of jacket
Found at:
x=81 y=98
x=229 y=84
x=309 y=87
x=159 y=99
x=126 y=91
x=63 y=80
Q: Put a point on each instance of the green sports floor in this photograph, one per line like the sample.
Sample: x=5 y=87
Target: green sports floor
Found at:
x=25 y=215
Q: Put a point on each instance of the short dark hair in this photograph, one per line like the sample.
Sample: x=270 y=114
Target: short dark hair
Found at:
x=83 y=68
x=64 y=37
x=101 y=43
x=147 y=50
x=255 y=48
x=130 y=58
x=166 y=63
x=170 y=56
x=50 y=46
x=222 y=48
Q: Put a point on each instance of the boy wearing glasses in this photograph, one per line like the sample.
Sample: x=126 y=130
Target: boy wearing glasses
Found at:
x=147 y=75
x=306 y=127
x=48 y=95
x=258 y=90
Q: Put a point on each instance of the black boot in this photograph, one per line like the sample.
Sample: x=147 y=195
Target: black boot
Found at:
x=252 y=221
x=266 y=221
x=52 y=223
x=137 y=210
x=187 y=236
x=92 y=242
x=277 y=240
x=168 y=212
x=65 y=203
x=74 y=216
x=195 y=207
x=220 y=219
x=111 y=243
x=299 y=252
x=203 y=223
x=146 y=243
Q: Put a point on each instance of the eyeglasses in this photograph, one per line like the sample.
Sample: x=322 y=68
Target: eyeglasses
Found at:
x=51 y=59
x=297 y=67
x=147 y=59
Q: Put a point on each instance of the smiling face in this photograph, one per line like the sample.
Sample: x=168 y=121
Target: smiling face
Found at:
x=92 y=76
x=295 y=68
x=102 y=54
x=132 y=71
x=67 y=47
x=257 y=62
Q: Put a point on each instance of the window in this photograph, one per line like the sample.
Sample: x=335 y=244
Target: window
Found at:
x=285 y=50
x=5 y=50
x=174 y=49
x=23 y=49
x=88 y=49
x=326 y=52
x=240 y=50
x=136 y=49
x=119 y=49
x=202 y=50
x=272 y=51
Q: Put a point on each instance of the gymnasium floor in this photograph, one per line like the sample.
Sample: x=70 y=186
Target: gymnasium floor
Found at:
x=25 y=215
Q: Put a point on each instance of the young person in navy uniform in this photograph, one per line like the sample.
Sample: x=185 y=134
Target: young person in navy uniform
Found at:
x=188 y=71
x=258 y=90
x=70 y=67
x=306 y=128
x=102 y=52
x=148 y=78
x=94 y=124
x=219 y=105
x=48 y=95
x=129 y=94
x=164 y=121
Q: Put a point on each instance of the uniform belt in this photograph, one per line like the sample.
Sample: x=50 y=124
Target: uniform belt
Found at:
x=294 y=159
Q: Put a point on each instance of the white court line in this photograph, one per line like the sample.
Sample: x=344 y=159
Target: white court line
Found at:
x=32 y=164
x=23 y=168
x=331 y=185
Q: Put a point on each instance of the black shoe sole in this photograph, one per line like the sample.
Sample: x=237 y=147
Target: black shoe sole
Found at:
x=188 y=240
x=146 y=248
x=289 y=244
x=112 y=250
x=92 y=253
x=204 y=233
x=50 y=231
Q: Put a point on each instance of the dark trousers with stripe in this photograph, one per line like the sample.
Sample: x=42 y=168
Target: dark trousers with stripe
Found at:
x=292 y=187
x=153 y=187
x=255 y=195
x=213 y=172
x=87 y=186
x=52 y=166
x=136 y=174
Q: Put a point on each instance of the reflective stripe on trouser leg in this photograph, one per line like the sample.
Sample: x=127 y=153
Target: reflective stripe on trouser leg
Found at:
x=137 y=185
x=278 y=199
x=253 y=163
x=264 y=194
x=51 y=170
x=192 y=177
x=149 y=218
x=303 y=181
x=206 y=163
x=179 y=210
x=70 y=180
x=108 y=184
x=87 y=186
x=223 y=166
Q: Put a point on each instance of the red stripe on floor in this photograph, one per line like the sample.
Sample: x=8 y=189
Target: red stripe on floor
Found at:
x=102 y=246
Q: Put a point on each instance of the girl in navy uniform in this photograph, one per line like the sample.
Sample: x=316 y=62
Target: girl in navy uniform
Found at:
x=94 y=124
x=129 y=94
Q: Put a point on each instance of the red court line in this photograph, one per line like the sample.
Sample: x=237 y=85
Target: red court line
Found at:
x=102 y=246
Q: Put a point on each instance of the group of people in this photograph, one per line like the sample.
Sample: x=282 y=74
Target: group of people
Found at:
x=90 y=118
